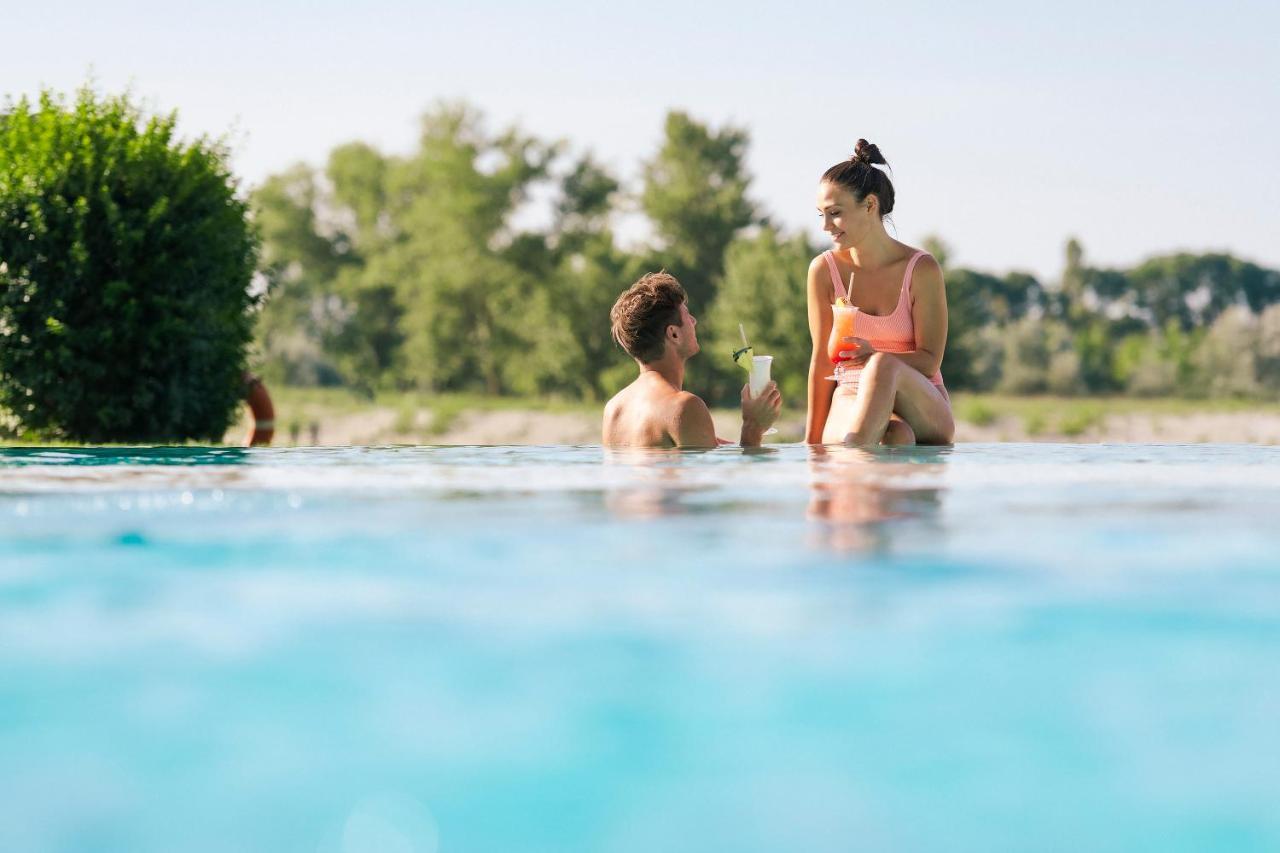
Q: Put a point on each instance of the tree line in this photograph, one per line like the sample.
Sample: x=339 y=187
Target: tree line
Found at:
x=412 y=271
x=134 y=271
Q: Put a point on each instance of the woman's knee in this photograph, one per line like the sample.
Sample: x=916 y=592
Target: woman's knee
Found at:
x=880 y=367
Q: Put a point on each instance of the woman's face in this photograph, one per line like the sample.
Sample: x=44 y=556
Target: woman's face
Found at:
x=843 y=217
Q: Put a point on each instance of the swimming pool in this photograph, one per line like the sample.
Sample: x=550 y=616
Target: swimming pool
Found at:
x=545 y=649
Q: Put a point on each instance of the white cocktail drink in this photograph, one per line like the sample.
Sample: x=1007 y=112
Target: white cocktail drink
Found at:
x=760 y=368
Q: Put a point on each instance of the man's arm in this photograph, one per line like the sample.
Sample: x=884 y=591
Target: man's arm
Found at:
x=692 y=425
x=759 y=413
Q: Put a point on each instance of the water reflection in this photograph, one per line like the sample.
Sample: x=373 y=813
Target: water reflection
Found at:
x=858 y=497
x=160 y=455
x=659 y=489
x=854 y=500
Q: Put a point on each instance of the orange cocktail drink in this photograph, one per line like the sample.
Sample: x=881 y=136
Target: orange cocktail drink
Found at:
x=841 y=327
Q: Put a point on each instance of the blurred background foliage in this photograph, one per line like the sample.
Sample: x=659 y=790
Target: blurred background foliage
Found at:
x=134 y=273
x=424 y=272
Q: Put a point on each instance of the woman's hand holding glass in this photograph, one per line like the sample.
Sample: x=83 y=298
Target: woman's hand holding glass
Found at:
x=860 y=350
x=852 y=355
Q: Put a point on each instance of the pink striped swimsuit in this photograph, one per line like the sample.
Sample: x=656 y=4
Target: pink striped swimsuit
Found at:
x=895 y=331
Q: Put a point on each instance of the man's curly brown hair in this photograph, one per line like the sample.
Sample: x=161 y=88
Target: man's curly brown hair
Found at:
x=641 y=315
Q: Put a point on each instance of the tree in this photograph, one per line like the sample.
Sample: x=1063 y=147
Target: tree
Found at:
x=125 y=262
x=1268 y=362
x=587 y=193
x=414 y=271
x=358 y=175
x=299 y=319
x=977 y=301
x=1158 y=362
x=695 y=193
x=405 y=270
x=1195 y=289
x=1028 y=351
x=1093 y=349
x=1070 y=302
x=764 y=290
x=1226 y=360
x=465 y=301
x=589 y=272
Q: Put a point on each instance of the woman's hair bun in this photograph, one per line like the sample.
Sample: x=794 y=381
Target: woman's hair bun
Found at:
x=866 y=152
x=858 y=177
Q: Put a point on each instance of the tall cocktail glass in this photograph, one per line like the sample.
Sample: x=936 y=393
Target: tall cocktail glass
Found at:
x=841 y=327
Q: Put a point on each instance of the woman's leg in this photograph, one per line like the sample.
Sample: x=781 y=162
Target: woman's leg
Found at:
x=898 y=433
x=887 y=386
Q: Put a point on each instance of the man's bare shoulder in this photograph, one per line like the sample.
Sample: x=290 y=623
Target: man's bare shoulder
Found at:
x=614 y=413
x=615 y=403
x=686 y=402
x=691 y=422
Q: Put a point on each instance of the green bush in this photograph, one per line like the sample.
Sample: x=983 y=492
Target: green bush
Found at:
x=1079 y=421
x=976 y=412
x=125 y=262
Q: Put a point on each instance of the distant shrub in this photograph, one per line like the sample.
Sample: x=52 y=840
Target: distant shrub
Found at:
x=125 y=262
x=1063 y=374
x=1026 y=358
x=1268 y=362
x=1079 y=421
x=976 y=412
x=1227 y=358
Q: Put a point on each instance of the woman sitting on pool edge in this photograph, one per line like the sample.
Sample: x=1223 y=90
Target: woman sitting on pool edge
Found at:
x=891 y=391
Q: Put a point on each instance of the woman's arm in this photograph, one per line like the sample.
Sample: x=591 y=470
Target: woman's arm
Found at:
x=929 y=314
x=820 y=295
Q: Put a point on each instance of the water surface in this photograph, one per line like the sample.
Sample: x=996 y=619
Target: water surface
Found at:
x=544 y=649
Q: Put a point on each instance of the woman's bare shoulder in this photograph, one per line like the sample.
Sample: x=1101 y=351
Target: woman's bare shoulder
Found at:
x=819 y=275
x=927 y=267
x=926 y=279
x=819 y=261
x=926 y=259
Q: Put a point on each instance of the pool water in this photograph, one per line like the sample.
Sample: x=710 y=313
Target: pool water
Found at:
x=992 y=647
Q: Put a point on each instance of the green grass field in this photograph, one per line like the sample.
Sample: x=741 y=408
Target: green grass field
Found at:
x=1074 y=416
x=426 y=415
x=299 y=407
x=422 y=417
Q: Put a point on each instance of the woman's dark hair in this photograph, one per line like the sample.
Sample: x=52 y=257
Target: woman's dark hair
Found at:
x=860 y=176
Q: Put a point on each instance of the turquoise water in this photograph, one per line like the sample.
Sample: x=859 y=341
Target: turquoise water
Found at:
x=996 y=647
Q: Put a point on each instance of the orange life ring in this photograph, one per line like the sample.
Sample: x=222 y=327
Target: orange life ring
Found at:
x=264 y=413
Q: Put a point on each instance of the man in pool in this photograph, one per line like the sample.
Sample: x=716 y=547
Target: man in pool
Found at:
x=651 y=321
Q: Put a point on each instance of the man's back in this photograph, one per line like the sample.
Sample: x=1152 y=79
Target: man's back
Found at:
x=648 y=413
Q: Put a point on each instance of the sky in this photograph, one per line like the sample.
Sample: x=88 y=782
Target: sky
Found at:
x=1140 y=128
